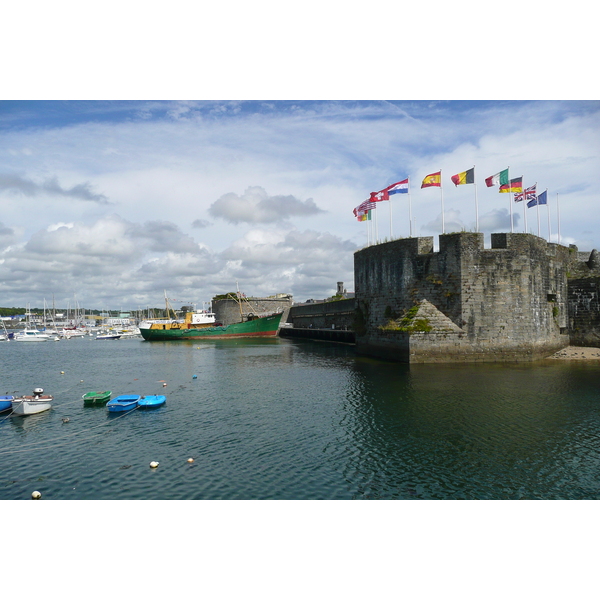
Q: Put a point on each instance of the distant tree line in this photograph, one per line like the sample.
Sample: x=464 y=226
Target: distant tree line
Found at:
x=10 y=312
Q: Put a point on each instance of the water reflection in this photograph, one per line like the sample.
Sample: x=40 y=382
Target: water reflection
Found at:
x=288 y=419
x=476 y=431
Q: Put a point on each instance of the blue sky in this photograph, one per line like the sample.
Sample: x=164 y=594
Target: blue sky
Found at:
x=115 y=201
x=155 y=152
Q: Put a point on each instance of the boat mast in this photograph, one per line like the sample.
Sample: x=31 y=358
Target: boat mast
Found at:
x=239 y=300
x=169 y=308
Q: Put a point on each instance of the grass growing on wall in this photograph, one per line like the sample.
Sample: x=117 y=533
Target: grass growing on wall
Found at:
x=408 y=323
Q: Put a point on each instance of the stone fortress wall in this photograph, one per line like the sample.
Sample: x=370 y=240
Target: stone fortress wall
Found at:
x=464 y=302
x=584 y=299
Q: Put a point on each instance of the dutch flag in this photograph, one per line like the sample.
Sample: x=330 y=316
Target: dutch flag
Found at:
x=398 y=188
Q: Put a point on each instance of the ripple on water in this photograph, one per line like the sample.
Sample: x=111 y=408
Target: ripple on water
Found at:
x=290 y=420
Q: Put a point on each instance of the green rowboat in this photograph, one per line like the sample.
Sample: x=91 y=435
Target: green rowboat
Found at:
x=96 y=398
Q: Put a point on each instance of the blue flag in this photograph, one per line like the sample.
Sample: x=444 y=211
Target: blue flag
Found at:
x=542 y=199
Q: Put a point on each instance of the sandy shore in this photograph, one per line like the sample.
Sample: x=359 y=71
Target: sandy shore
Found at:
x=576 y=353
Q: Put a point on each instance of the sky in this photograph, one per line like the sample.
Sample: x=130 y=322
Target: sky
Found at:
x=180 y=163
x=109 y=203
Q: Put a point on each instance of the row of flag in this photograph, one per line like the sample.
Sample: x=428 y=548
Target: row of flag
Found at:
x=505 y=185
x=400 y=187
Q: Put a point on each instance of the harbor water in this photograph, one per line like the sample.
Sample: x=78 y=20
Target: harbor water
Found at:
x=294 y=419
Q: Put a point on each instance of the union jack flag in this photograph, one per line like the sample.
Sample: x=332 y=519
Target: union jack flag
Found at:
x=361 y=209
x=527 y=194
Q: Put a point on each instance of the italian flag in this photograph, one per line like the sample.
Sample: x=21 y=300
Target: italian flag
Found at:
x=498 y=179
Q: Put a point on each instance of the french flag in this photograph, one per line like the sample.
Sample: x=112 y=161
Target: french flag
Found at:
x=398 y=188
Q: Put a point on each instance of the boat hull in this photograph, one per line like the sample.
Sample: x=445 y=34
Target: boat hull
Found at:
x=6 y=403
x=123 y=403
x=31 y=406
x=96 y=398
x=32 y=338
x=151 y=401
x=262 y=327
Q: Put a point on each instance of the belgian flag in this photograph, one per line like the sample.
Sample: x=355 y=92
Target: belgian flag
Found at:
x=464 y=177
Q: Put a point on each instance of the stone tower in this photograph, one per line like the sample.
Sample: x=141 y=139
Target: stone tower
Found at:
x=462 y=303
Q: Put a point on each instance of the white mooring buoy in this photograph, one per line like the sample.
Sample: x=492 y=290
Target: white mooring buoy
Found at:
x=190 y=460
x=36 y=495
x=154 y=464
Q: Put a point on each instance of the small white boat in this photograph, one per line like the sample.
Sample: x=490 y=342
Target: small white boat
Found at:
x=31 y=335
x=53 y=334
x=72 y=332
x=108 y=336
x=30 y=405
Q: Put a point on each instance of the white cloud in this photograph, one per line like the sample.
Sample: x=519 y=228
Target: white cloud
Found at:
x=256 y=206
x=497 y=220
x=317 y=160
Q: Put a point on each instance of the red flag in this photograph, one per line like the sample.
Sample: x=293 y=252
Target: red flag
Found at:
x=379 y=196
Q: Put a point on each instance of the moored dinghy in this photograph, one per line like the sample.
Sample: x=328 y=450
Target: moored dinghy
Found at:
x=123 y=403
x=6 y=403
x=96 y=398
x=108 y=336
x=29 y=405
x=151 y=401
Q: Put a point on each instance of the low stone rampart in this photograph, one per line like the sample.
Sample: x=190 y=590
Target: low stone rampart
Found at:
x=584 y=311
x=337 y=314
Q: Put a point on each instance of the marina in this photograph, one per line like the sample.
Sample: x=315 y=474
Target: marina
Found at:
x=295 y=419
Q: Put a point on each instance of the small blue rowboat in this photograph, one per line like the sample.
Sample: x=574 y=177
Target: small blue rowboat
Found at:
x=151 y=401
x=123 y=403
x=6 y=403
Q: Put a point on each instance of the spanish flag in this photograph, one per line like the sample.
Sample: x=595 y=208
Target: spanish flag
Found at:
x=433 y=180
x=515 y=185
x=465 y=177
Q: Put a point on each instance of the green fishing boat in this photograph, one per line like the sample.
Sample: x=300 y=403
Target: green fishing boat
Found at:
x=96 y=398
x=201 y=324
x=186 y=330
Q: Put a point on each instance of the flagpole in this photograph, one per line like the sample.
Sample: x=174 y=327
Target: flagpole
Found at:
x=376 y=229
x=558 y=215
x=390 y=201
x=510 y=201
x=524 y=206
x=442 y=195
x=410 y=223
x=548 y=211
x=476 y=204
x=538 y=208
